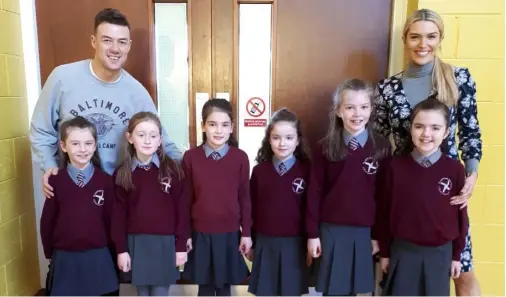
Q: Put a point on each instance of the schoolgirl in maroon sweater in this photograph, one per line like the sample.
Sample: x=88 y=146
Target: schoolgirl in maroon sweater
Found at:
x=75 y=223
x=151 y=215
x=218 y=172
x=421 y=235
x=341 y=207
x=278 y=199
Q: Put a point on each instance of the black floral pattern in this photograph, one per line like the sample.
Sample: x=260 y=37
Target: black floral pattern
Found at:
x=393 y=113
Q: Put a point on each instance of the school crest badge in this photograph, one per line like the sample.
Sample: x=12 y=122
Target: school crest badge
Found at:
x=370 y=166
x=444 y=186
x=298 y=185
x=166 y=184
x=98 y=198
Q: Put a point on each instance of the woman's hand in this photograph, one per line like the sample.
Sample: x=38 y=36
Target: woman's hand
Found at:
x=456 y=267
x=466 y=192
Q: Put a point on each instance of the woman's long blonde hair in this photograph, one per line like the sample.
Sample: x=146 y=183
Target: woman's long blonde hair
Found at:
x=443 y=77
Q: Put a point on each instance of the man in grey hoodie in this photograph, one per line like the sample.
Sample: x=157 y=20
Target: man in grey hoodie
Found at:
x=99 y=90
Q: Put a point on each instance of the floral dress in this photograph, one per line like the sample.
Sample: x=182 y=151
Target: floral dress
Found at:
x=393 y=113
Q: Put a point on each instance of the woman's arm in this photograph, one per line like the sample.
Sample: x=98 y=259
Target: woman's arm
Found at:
x=469 y=132
x=381 y=122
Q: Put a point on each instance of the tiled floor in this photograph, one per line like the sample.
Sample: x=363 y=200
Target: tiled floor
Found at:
x=191 y=290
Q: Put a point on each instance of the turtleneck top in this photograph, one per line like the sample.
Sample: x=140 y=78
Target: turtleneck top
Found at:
x=417 y=82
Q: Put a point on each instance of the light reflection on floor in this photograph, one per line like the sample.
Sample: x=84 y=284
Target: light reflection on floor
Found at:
x=191 y=290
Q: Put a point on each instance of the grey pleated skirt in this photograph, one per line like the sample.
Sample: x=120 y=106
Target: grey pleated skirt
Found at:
x=83 y=273
x=153 y=259
x=215 y=260
x=279 y=267
x=346 y=265
x=418 y=270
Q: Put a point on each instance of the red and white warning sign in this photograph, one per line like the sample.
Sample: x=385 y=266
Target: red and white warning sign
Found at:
x=255 y=108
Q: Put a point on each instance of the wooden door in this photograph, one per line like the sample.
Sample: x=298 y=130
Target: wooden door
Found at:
x=64 y=31
x=316 y=45
x=319 y=44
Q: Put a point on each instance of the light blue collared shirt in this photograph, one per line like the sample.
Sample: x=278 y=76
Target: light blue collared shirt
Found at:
x=420 y=159
x=154 y=160
x=361 y=138
x=87 y=172
x=222 y=151
x=288 y=163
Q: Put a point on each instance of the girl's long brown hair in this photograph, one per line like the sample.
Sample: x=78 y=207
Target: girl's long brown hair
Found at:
x=334 y=148
x=283 y=115
x=78 y=123
x=168 y=166
x=223 y=106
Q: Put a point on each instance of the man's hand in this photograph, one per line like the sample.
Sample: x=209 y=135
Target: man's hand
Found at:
x=47 y=189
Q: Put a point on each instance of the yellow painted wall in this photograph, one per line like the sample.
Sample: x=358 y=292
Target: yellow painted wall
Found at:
x=474 y=38
x=19 y=266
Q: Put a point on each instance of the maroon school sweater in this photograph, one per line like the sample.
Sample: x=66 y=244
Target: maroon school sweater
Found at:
x=220 y=198
x=278 y=202
x=77 y=219
x=342 y=192
x=152 y=207
x=414 y=204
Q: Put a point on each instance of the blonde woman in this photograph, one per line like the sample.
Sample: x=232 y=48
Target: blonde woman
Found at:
x=427 y=74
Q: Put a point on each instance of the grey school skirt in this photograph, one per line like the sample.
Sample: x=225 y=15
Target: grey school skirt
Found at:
x=279 y=267
x=84 y=273
x=215 y=260
x=418 y=270
x=153 y=259
x=346 y=265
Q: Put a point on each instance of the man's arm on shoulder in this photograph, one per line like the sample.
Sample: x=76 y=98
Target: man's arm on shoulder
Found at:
x=43 y=126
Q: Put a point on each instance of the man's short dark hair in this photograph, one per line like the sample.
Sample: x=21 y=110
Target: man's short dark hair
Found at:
x=111 y=16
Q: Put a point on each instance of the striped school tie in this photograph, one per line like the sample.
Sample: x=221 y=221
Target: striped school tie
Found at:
x=215 y=155
x=80 y=179
x=353 y=145
x=145 y=167
x=282 y=168
x=426 y=163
